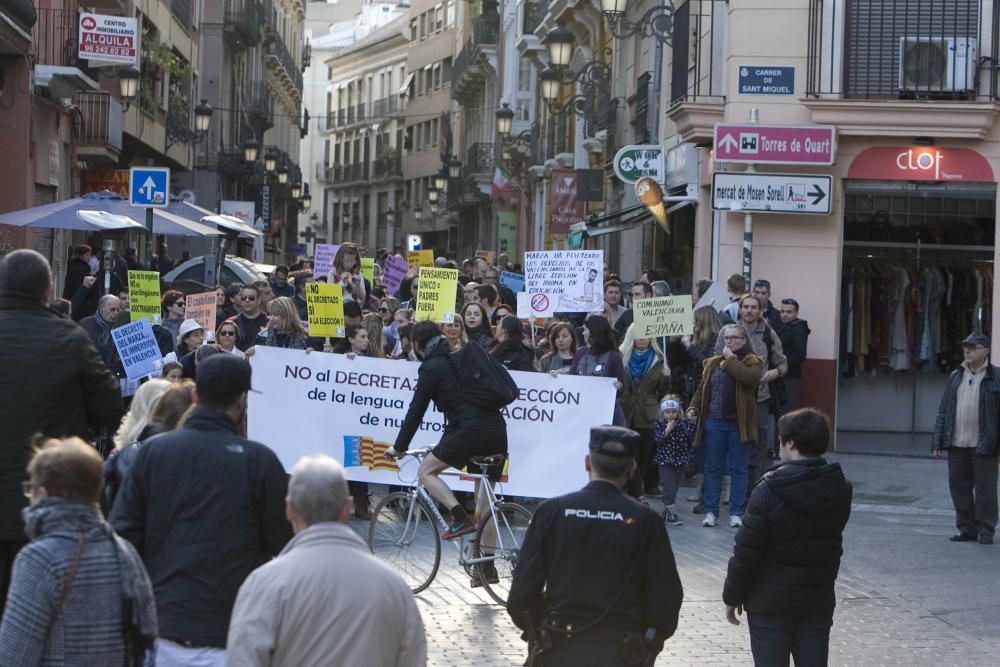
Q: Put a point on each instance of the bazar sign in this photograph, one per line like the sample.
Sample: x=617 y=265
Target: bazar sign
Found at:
x=775 y=144
x=98 y=180
x=922 y=163
x=112 y=39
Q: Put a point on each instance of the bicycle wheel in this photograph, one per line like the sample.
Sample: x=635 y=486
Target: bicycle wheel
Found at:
x=504 y=544
x=402 y=533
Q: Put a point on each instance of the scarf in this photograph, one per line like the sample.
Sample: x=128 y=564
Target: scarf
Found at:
x=290 y=340
x=640 y=361
x=104 y=338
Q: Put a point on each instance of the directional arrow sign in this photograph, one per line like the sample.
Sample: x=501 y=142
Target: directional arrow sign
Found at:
x=775 y=144
x=149 y=186
x=772 y=193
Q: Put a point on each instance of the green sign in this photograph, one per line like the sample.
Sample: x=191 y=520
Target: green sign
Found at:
x=634 y=162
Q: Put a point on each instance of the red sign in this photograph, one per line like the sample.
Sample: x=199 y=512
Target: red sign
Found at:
x=98 y=180
x=566 y=209
x=775 y=144
x=108 y=38
x=921 y=163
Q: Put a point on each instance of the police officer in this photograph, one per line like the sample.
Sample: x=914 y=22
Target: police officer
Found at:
x=596 y=582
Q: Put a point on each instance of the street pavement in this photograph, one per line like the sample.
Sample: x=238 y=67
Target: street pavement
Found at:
x=906 y=595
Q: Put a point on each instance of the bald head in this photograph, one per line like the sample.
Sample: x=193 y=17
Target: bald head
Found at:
x=26 y=274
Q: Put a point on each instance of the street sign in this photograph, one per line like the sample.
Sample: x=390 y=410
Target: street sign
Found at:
x=775 y=144
x=149 y=186
x=772 y=193
x=633 y=162
x=759 y=80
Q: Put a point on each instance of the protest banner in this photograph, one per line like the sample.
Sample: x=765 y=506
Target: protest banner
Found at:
x=325 y=309
x=352 y=409
x=565 y=281
x=512 y=281
x=144 y=295
x=137 y=349
x=201 y=309
x=485 y=254
x=323 y=262
x=393 y=274
x=436 y=292
x=663 y=316
x=368 y=269
x=420 y=258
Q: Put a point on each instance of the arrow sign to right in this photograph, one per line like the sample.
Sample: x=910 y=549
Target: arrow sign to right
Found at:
x=772 y=193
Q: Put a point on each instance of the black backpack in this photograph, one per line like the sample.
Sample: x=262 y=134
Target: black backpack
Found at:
x=483 y=381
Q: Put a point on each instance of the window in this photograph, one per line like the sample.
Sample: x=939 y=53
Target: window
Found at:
x=437 y=76
x=439 y=17
x=435 y=132
x=524 y=75
x=450 y=12
x=423 y=25
x=428 y=79
x=413 y=30
x=446 y=71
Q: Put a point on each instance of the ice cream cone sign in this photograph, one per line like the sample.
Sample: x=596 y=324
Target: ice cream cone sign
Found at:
x=650 y=194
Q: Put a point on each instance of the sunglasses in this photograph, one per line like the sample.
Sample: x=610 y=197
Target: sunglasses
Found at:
x=227 y=333
x=248 y=298
x=383 y=310
x=179 y=304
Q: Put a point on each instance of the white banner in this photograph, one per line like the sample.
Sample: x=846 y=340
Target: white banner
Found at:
x=352 y=411
x=564 y=281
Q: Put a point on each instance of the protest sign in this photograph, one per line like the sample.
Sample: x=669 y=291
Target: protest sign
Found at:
x=512 y=281
x=368 y=269
x=420 y=258
x=201 y=309
x=716 y=296
x=663 y=316
x=137 y=349
x=352 y=409
x=565 y=281
x=325 y=309
x=323 y=262
x=485 y=254
x=436 y=292
x=393 y=274
x=144 y=295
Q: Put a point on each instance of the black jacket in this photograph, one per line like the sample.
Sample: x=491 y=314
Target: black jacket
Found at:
x=794 y=340
x=483 y=338
x=989 y=412
x=54 y=383
x=204 y=508
x=76 y=271
x=437 y=381
x=787 y=553
x=85 y=299
x=515 y=356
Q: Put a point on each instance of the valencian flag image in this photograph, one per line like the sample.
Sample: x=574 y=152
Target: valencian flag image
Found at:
x=361 y=451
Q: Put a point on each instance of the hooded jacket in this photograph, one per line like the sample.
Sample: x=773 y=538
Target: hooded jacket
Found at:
x=787 y=554
x=794 y=341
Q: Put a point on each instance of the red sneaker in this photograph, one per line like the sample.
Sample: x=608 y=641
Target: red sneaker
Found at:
x=458 y=528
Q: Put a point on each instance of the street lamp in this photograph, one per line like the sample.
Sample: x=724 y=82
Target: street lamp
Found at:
x=270 y=161
x=559 y=42
x=390 y=216
x=296 y=190
x=418 y=213
x=657 y=22
x=432 y=196
x=551 y=81
x=440 y=182
x=307 y=200
x=250 y=150
x=128 y=83
x=613 y=9
x=283 y=173
x=202 y=117
x=454 y=168
x=505 y=120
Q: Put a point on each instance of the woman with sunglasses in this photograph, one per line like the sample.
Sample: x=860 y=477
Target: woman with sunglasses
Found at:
x=387 y=308
x=500 y=312
x=173 y=306
x=726 y=408
x=227 y=337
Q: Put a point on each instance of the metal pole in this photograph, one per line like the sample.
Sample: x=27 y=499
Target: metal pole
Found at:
x=149 y=227
x=748 y=221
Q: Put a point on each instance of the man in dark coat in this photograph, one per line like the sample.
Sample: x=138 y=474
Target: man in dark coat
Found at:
x=204 y=507
x=77 y=269
x=787 y=553
x=794 y=333
x=98 y=326
x=57 y=386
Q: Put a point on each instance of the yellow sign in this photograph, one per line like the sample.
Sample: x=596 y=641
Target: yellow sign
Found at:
x=325 y=309
x=368 y=269
x=420 y=258
x=144 y=295
x=663 y=316
x=436 y=293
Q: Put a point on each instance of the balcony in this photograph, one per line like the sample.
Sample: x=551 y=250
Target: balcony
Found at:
x=282 y=65
x=477 y=60
x=882 y=68
x=99 y=141
x=477 y=175
x=56 y=64
x=386 y=106
x=349 y=173
x=532 y=15
x=697 y=82
x=259 y=104
x=388 y=166
x=242 y=21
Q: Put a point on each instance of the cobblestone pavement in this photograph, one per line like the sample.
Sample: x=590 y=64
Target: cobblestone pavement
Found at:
x=877 y=622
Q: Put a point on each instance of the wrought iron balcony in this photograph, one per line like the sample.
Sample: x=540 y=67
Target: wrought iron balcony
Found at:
x=533 y=14
x=484 y=35
x=698 y=63
x=259 y=102
x=388 y=166
x=480 y=160
x=280 y=59
x=243 y=20
x=55 y=37
x=100 y=121
x=386 y=106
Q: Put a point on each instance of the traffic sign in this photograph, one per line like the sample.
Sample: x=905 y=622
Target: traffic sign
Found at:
x=772 y=193
x=775 y=144
x=149 y=186
x=633 y=162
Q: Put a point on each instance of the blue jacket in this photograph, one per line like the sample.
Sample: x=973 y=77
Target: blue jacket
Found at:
x=989 y=412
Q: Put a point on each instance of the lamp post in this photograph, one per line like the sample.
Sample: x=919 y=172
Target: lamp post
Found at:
x=454 y=168
x=594 y=80
x=270 y=160
x=283 y=173
x=505 y=120
x=128 y=84
x=658 y=22
x=559 y=43
x=296 y=190
x=202 y=117
x=250 y=150
x=418 y=213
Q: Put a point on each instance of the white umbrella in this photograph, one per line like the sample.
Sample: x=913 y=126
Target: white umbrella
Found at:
x=232 y=223
x=103 y=221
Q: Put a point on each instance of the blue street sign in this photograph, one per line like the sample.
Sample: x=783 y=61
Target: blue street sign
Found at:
x=764 y=80
x=149 y=186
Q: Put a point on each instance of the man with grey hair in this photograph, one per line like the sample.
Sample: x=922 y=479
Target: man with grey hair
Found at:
x=325 y=600
x=98 y=326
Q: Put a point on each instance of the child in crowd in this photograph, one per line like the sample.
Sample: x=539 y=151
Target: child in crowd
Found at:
x=673 y=436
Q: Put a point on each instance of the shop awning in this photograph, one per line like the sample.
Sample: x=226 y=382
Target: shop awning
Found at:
x=618 y=221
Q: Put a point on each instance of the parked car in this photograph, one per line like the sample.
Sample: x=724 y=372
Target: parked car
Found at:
x=190 y=277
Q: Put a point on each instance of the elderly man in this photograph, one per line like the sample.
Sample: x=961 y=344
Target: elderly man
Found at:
x=325 y=599
x=98 y=326
x=967 y=426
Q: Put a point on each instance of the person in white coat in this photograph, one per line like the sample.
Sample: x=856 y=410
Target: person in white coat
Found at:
x=325 y=600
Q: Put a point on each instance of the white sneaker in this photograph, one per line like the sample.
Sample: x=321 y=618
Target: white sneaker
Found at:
x=709 y=520
x=735 y=522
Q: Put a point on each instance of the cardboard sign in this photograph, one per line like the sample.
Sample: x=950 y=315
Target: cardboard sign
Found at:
x=325 y=309
x=325 y=252
x=420 y=258
x=201 y=309
x=512 y=281
x=394 y=273
x=108 y=39
x=137 y=349
x=368 y=269
x=663 y=316
x=565 y=281
x=436 y=292
x=485 y=254
x=144 y=295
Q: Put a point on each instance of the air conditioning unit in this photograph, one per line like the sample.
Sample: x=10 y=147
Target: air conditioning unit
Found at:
x=929 y=65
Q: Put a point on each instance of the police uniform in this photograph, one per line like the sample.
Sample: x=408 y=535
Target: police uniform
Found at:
x=595 y=555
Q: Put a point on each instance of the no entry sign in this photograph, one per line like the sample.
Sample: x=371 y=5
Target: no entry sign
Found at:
x=113 y=39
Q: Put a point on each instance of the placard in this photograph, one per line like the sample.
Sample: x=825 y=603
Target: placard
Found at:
x=325 y=252
x=325 y=310
x=394 y=273
x=144 y=295
x=485 y=254
x=137 y=348
x=368 y=269
x=351 y=409
x=201 y=309
x=420 y=258
x=512 y=281
x=565 y=281
x=663 y=316
x=436 y=293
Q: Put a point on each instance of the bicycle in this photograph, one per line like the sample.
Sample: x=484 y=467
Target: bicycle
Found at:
x=403 y=533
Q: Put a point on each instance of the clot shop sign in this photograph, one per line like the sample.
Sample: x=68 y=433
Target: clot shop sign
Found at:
x=921 y=163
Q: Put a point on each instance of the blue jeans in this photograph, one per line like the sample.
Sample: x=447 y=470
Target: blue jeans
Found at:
x=722 y=445
x=773 y=637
